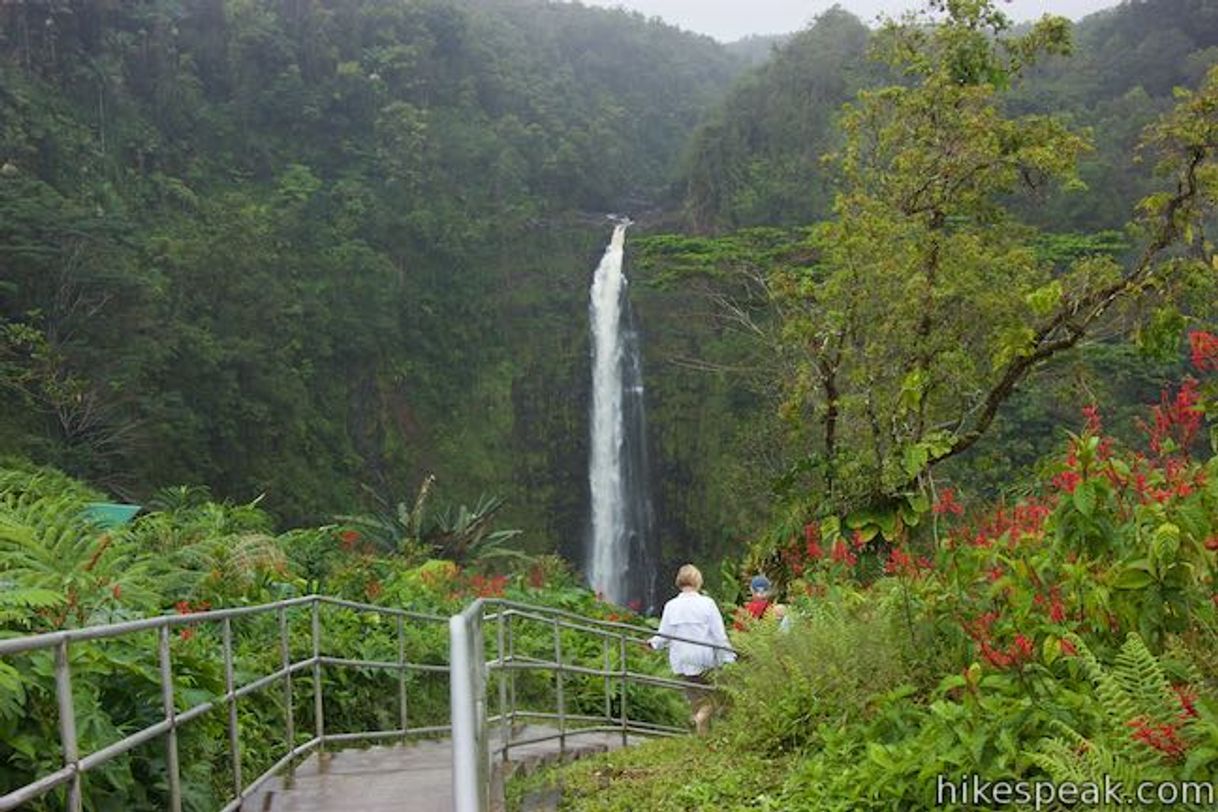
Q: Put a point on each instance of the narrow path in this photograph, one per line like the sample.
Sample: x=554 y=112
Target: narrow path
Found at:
x=415 y=777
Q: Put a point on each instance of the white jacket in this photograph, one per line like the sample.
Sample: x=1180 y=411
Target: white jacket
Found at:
x=694 y=617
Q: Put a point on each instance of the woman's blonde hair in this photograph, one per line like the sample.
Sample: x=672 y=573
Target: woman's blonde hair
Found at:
x=689 y=575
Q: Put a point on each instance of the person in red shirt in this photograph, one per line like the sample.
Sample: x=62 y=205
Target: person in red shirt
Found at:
x=757 y=605
x=759 y=588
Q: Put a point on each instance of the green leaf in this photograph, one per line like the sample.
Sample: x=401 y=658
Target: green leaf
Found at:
x=1052 y=649
x=1084 y=498
x=1133 y=578
x=915 y=459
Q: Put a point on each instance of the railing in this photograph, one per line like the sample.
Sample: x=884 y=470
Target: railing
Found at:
x=76 y=764
x=471 y=669
x=490 y=624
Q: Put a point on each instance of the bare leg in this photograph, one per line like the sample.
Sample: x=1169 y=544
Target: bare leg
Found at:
x=702 y=717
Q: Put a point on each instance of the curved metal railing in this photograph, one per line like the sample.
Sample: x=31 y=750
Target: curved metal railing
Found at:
x=475 y=655
x=77 y=764
x=472 y=668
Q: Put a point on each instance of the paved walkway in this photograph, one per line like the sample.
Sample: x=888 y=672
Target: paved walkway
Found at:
x=407 y=778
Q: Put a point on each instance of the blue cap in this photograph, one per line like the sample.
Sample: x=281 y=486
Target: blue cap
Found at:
x=760 y=583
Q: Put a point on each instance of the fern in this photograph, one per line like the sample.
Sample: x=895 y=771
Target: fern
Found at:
x=1134 y=691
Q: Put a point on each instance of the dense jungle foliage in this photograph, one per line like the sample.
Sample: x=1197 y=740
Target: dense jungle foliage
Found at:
x=302 y=249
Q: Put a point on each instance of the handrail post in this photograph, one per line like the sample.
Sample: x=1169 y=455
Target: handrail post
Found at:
x=230 y=697
x=403 y=720
x=558 y=686
x=467 y=695
x=67 y=723
x=171 y=737
x=285 y=661
x=625 y=677
x=608 y=704
x=319 y=723
x=505 y=730
x=511 y=642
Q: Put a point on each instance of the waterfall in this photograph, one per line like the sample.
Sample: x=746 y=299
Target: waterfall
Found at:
x=620 y=564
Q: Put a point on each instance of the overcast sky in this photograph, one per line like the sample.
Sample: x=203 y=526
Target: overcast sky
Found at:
x=728 y=20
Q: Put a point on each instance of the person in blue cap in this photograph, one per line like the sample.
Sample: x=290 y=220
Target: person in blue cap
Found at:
x=759 y=599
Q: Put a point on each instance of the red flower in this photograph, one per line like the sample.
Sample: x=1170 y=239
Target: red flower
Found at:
x=186 y=634
x=946 y=503
x=1203 y=348
x=118 y=591
x=491 y=587
x=1164 y=737
x=841 y=553
x=1177 y=419
x=1211 y=543
x=1092 y=413
x=812 y=542
x=536 y=577
x=1067 y=481
x=1022 y=646
x=1068 y=648
x=1188 y=701
x=183 y=607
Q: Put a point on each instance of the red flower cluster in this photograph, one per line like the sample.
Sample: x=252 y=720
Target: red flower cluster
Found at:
x=1187 y=697
x=1067 y=480
x=812 y=541
x=1091 y=413
x=1013 y=656
x=902 y=563
x=1177 y=419
x=347 y=539
x=1057 y=609
x=488 y=587
x=946 y=503
x=1203 y=350
x=841 y=554
x=1025 y=519
x=185 y=608
x=1165 y=737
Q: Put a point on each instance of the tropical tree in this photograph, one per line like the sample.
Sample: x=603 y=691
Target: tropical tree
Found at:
x=925 y=304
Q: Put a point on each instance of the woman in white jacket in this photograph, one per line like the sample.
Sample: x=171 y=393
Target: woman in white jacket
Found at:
x=692 y=630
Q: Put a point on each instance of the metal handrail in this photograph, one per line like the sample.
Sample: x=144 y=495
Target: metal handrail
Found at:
x=471 y=668
x=75 y=765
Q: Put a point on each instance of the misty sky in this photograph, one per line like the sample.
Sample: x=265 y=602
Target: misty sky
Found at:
x=727 y=20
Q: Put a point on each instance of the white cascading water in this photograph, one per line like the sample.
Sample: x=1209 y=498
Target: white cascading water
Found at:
x=606 y=565
x=620 y=560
